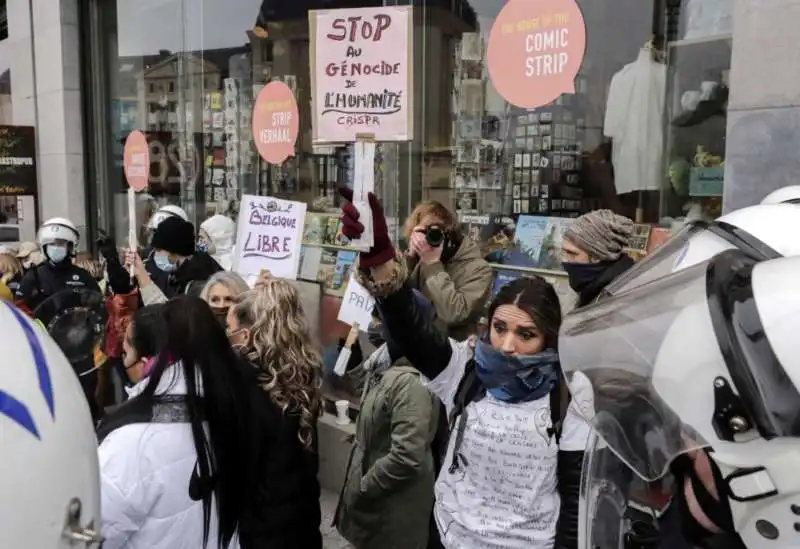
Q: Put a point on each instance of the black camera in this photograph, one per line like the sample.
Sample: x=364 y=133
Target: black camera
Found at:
x=434 y=235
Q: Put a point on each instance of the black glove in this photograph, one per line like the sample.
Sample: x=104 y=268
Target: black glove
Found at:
x=107 y=246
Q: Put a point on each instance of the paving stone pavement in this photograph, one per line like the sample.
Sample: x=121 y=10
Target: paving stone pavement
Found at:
x=330 y=537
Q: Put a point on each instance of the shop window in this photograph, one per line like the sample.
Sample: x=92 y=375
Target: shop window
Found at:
x=3 y=20
x=196 y=91
x=699 y=58
x=642 y=133
x=18 y=117
x=648 y=147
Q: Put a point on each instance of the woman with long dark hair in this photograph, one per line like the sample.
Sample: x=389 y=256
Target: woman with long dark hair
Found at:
x=143 y=341
x=176 y=460
x=511 y=475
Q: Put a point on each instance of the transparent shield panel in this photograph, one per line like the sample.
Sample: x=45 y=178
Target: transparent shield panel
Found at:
x=619 y=345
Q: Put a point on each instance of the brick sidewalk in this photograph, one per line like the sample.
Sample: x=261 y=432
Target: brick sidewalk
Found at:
x=330 y=537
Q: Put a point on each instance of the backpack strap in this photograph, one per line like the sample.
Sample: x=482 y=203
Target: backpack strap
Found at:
x=469 y=390
x=560 y=399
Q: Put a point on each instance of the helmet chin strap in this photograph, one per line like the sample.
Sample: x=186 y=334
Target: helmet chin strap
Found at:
x=718 y=511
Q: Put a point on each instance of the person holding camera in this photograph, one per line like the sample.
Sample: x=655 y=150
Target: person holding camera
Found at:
x=447 y=269
x=451 y=273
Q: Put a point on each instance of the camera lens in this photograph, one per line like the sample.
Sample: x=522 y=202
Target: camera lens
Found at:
x=434 y=236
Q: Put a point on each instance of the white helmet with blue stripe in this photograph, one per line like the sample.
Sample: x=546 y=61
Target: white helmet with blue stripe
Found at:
x=49 y=481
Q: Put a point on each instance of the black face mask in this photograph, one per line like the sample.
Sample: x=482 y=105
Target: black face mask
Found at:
x=375 y=338
x=582 y=275
x=221 y=314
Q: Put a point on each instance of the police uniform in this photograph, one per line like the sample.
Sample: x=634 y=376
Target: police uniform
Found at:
x=46 y=279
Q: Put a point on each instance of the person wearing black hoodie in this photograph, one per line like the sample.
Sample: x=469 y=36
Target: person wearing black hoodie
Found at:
x=174 y=253
x=592 y=253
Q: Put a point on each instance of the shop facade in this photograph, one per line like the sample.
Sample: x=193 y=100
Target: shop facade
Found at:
x=41 y=128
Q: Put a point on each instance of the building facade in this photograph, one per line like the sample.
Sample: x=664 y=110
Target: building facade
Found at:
x=85 y=73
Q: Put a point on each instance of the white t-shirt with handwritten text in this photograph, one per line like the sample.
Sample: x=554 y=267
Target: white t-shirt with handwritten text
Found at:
x=504 y=494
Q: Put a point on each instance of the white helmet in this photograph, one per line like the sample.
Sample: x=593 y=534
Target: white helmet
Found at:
x=49 y=481
x=703 y=358
x=784 y=195
x=55 y=229
x=764 y=231
x=164 y=212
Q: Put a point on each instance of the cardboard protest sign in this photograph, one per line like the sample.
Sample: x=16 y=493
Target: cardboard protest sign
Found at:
x=269 y=236
x=362 y=78
x=357 y=306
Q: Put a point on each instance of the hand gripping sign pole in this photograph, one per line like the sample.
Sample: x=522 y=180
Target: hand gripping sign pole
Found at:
x=136 y=163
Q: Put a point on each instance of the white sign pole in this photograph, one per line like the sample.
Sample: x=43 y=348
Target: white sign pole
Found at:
x=133 y=241
x=363 y=184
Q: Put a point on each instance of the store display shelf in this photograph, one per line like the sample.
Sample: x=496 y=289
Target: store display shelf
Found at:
x=532 y=270
x=700 y=40
x=329 y=246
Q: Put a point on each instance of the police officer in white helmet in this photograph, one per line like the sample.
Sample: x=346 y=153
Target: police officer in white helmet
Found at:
x=696 y=378
x=170 y=210
x=49 y=479
x=58 y=238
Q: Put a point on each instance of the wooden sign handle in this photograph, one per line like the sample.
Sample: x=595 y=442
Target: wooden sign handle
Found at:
x=352 y=336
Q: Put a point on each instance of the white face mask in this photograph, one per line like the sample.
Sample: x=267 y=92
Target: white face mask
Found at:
x=163 y=263
x=56 y=253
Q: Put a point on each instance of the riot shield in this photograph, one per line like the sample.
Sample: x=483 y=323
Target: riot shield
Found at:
x=75 y=319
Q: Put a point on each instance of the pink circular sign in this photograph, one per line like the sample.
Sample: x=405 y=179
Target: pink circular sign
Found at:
x=276 y=122
x=536 y=48
x=136 y=161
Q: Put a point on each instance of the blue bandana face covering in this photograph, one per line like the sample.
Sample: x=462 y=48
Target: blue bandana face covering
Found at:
x=521 y=378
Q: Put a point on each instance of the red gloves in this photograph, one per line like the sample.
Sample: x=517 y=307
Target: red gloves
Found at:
x=382 y=250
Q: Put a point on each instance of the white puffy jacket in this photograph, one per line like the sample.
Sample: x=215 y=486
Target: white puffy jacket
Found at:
x=222 y=232
x=144 y=473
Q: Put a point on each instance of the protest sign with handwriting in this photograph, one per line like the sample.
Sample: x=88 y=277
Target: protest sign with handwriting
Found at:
x=357 y=306
x=361 y=73
x=269 y=236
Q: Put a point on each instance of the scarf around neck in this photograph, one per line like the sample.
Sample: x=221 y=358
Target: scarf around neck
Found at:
x=516 y=378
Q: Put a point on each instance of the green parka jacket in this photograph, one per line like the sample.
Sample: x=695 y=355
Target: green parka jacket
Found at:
x=387 y=496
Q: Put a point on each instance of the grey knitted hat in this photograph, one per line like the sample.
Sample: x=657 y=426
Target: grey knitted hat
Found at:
x=601 y=233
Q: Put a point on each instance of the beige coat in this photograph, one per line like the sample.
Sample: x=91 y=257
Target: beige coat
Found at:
x=459 y=289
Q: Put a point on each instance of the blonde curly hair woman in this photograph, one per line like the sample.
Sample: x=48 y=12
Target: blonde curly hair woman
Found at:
x=269 y=329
